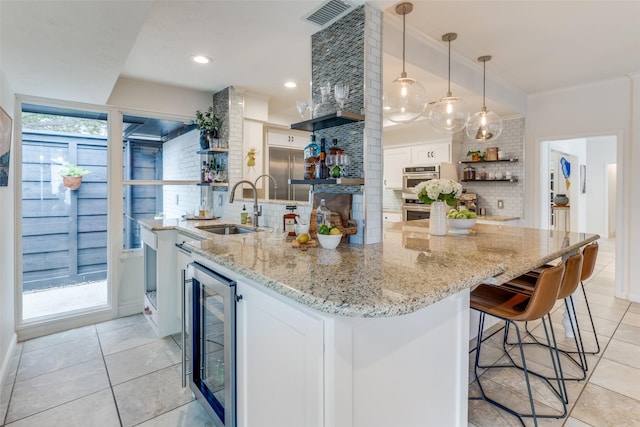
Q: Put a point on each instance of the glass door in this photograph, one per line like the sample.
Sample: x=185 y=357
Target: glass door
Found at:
x=64 y=211
x=213 y=353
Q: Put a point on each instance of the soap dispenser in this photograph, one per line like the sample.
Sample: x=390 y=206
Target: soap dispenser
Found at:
x=243 y=215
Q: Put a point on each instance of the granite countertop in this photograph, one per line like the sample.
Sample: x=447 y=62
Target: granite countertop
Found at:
x=497 y=218
x=408 y=271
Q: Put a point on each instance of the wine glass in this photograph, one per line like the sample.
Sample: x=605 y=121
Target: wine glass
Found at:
x=332 y=163
x=341 y=93
x=302 y=107
x=343 y=161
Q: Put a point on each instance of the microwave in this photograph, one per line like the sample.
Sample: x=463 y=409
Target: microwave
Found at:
x=413 y=175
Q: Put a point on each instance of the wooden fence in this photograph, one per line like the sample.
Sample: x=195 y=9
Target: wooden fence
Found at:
x=64 y=232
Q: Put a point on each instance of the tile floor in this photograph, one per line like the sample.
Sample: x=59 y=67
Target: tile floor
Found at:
x=118 y=373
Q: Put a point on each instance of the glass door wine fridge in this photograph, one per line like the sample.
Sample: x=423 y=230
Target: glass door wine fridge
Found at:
x=213 y=333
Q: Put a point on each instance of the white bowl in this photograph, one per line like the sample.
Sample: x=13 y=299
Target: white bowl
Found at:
x=329 y=241
x=461 y=225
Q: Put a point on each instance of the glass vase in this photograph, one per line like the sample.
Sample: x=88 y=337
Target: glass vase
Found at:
x=438 y=219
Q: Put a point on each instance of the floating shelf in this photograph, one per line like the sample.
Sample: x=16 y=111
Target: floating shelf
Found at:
x=339 y=181
x=336 y=119
x=213 y=150
x=213 y=184
x=490 y=180
x=490 y=161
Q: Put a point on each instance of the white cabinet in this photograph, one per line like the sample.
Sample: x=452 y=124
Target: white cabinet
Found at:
x=279 y=362
x=430 y=154
x=395 y=158
x=287 y=138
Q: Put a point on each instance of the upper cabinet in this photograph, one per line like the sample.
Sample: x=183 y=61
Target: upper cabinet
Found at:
x=427 y=154
x=395 y=158
x=287 y=138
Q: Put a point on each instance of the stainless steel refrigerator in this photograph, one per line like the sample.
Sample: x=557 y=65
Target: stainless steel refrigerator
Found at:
x=285 y=164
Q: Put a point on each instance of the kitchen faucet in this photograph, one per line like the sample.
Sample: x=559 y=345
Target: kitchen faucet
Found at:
x=275 y=184
x=257 y=211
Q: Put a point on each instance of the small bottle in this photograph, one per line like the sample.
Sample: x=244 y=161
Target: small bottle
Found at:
x=289 y=221
x=483 y=174
x=203 y=172
x=243 y=215
x=323 y=214
x=202 y=212
x=323 y=171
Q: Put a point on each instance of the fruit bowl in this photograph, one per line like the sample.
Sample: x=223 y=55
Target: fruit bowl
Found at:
x=460 y=225
x=329 y=241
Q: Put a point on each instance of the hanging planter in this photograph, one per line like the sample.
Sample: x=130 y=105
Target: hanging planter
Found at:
x=72 y=175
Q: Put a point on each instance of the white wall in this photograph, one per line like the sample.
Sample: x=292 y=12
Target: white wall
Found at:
x=601 y=152
x=7 y=259
x=603 y=108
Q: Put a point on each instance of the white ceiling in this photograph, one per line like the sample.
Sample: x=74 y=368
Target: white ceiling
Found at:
x=77 y=50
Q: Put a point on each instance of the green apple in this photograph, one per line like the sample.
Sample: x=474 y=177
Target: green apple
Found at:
x=453 y=211
x=461 y=215
x=473 y=215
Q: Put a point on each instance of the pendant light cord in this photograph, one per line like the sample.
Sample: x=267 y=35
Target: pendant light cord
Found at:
x=449 y=84
x=404 y=37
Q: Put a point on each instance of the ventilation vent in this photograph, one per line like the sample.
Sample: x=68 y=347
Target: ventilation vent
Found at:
x=328 y=12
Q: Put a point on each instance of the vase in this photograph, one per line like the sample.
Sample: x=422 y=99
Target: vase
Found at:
x=561 y=200
x=204 y=141
x=438 y=219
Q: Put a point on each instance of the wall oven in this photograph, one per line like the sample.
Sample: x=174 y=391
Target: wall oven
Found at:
x=213 y=343
x=412 y=208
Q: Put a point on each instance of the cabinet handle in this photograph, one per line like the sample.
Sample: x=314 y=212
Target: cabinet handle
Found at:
x=183 y=335
x=239 y=297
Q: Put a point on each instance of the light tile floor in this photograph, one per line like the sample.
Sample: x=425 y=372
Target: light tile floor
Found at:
x=118 y=373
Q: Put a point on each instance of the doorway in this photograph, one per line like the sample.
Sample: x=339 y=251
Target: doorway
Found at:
x=589 y=181
x=63 y=225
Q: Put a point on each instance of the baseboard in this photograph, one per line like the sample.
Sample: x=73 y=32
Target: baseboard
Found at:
x=6 y=360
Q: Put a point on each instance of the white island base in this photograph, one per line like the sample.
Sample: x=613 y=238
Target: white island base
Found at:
x=299 y=367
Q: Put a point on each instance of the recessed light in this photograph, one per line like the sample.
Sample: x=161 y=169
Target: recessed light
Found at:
x=291 y=85
x=201 y=59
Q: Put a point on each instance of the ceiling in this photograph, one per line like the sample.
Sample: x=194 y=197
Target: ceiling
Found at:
x=77 y=51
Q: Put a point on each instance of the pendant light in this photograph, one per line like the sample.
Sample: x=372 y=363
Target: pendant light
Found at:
x=450 y=114
x=406 y=99
x=484 y=126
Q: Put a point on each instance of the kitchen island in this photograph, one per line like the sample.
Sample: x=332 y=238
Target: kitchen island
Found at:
x=373 y=335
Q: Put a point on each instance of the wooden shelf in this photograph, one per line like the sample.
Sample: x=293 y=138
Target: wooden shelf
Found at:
x=489 y=161
x=336 y=119
x=338 y=181
x=213 y=184
x=490 y=180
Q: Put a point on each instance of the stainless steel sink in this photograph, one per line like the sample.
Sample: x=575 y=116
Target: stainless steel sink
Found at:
x=227 y=229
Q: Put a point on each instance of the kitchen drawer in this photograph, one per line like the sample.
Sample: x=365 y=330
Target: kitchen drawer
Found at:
x=392 y=216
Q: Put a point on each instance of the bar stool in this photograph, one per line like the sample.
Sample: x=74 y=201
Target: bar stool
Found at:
x=570 y=282
x=512 y=306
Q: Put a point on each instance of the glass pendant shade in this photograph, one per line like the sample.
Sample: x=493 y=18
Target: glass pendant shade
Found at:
x=484 y=126
x=404 y=101
x=449 y=115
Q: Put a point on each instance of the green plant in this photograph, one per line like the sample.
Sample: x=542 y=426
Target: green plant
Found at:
x=207 y=121
x=476 y=153
x=72 y=170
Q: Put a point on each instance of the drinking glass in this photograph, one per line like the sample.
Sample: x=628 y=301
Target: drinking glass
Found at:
x=341 y=93
x=343 y=161
x=302 y=107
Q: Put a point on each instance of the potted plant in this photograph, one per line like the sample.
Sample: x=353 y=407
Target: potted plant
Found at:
x=72 y=175
x=209 y=125
x=476 y=155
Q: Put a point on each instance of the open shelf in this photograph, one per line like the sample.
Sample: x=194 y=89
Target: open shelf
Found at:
x=336 y=119
x=213 y=184
x=490 y=180
x=490 y=161
x=213 y=150
x=339 y=181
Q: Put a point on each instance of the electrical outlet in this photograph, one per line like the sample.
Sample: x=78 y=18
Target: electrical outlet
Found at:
x=500 y=204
